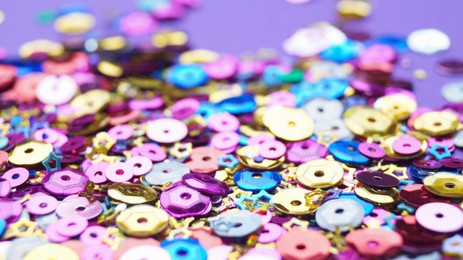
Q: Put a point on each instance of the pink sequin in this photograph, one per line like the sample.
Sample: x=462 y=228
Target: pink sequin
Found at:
x=225 y=140
x=272 y=149
x=153 y=151
x=224 y=68
x=141 y=165
x=442 y=141
x=121 y=132
x=96 y=174
x=223 y=122
x=119 y=172
x=305 y=151
x=46 y=135
x=41 y=204
x=71 y=226
x=5 y=188
x=93 y=235
x=282 y=98
x=16 y=176
x=185 y=108
x=270 y=233
x=260 y=138
x=53 y=235
x=138 y=104
x=372 y=150
x=98 y=251
x=407 y=145
x=137 y=23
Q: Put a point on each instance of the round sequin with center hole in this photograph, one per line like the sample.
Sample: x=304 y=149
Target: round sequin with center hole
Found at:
x=180 y=201
x=164 y=172
x=445 y=184
x=166 y=130
x=371 y=150
x=375 y=242
x=257 y=180
x=377 y=179
x=119 y=172
x=16 y=176
x=289 y=124
x=142 y=220
x=292 y=201
x=71 y=226
x=64 y=182
x=347 y=152
x=299 y=244
x=319 y=173
x=235 y=224
x=440 y=217
x=340 y=214
x=41 y=204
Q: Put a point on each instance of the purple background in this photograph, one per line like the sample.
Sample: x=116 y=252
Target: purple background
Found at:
x=237 y=26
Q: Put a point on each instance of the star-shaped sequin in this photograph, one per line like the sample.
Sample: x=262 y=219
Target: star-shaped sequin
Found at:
x=227 y=161
x=263 y=196
x=245 y=203
x=181 y=150
x=55 y=158
x=295 y=222
x=21 y=228
x=238 y=192
x=440 y=151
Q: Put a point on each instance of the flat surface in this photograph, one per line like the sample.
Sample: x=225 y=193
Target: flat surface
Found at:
x=237 y=26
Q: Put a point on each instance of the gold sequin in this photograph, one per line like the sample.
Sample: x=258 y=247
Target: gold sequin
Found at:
x=132 y=193
x=30 y=153
x=367 y=121
x=445 y=184
x=320 y=173
x=436 y=123
x=142 y=220
x=290 y=124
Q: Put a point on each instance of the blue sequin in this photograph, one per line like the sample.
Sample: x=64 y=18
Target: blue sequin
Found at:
x=271 y=76
x=184 y=249
x=16 y=120
x=244 y=140
x=207 y=109
x=24 y=68
x=2 y=226
x=3 y=142
x=436 y=149
x=331 y=88
x=187 y=76
x=256 y=181
x=399 y=43
x=326 y=88
x=417 y=174
x=347 y=152
x=228 y=161
x=150 y=5
x=342 y=52
x=238 y=105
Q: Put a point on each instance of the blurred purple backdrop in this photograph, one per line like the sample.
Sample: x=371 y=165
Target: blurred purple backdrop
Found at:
x=237 y=26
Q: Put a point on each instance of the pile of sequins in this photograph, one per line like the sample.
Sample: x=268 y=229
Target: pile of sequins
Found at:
x=162 y=152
